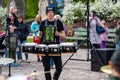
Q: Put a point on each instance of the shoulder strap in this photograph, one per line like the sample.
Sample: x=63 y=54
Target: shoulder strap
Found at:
x=46 y=22
x=55 y=24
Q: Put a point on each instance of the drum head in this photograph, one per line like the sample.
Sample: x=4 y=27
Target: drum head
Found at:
x=17 y=77
x=53 y=46
x=40 y=46
x=6 y=61
x=67 y=44
x=106 y=69
x=29 y=44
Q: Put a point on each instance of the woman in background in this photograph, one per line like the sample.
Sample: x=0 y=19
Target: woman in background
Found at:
x=94 y=37
x=104 y=37
x=117 y=35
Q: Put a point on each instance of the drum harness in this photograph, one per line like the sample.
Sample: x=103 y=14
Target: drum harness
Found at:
x=51 y=38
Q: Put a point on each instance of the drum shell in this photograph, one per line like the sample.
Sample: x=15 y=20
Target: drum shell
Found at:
x=68 y=47
x=53 y=49
x=40 y=49
x=29 y=49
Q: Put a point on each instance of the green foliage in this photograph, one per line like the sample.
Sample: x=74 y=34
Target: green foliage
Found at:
x=3 y=12
x=73 y=12
x=31 y=9
x=5 y=3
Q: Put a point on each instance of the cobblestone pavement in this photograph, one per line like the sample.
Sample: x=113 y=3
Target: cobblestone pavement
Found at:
x=73 y=70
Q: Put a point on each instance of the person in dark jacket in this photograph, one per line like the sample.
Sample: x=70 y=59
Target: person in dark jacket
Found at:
x=12 y=37
x=23 y=38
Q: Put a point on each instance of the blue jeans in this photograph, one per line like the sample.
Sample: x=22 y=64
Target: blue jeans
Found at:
x=19 y=53
x=118 y=45
x=51 y=61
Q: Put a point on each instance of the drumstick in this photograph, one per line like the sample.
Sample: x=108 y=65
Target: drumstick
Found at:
x=36 y=73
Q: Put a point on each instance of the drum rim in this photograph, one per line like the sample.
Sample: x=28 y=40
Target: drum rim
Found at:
x=53 y=46
x=41 y=45
x=67 y=44
x=29 y=44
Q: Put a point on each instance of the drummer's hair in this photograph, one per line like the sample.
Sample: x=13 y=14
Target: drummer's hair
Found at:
x=116 y=60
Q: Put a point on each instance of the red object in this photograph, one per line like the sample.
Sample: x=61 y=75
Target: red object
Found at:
x=36 y=40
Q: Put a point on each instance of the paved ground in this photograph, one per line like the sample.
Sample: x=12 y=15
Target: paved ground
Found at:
x=73 y=70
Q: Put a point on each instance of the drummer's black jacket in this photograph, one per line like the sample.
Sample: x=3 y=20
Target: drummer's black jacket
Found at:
x=59 y=27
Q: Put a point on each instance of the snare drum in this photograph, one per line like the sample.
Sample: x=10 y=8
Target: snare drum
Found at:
x=18 y=77
x=54 y=49
x=68 y=47
x=28 y=47
x=40 y=49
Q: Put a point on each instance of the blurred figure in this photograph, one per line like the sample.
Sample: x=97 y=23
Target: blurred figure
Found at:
x=12 y=10
x=11 y=19
x=94 y=37
x=114 y=64
x=2 y=77
x=52 y=3
x=23 y=39
x=58 y=17
x=35 y=29
x=117 y=35
x=13 y=36
x=104 y=37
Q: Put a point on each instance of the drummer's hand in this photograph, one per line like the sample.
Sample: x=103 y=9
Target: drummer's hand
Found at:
x=57 y=33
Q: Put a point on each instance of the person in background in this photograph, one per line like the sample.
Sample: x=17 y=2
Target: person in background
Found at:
x=58 y=17
x=117 y=35
x=35 y=29
x=104 y=37
x=23 y=39
x=12 y=37
x=11 y=19
x=52 y=3
x=45 y=29
x=94 y=37
x=12 y=10
x=114 y=64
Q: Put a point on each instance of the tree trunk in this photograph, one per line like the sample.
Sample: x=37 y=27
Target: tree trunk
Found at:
x=21 y=7
x=2 y=3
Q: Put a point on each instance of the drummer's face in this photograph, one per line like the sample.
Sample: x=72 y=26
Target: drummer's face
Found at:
x=50 y=14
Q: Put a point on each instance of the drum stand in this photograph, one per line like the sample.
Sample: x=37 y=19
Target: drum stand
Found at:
x=88 y=42
x=9 y=74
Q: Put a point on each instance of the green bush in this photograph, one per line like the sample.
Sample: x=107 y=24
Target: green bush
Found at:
x=31 y=9
x=3 y=12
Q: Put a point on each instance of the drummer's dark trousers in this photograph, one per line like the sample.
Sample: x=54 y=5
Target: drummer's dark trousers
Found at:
x=58 y=65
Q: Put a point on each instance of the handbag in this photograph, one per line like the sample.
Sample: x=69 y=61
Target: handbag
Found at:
x=100 y=29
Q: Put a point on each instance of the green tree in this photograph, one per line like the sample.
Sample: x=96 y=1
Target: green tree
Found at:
x=31 y=9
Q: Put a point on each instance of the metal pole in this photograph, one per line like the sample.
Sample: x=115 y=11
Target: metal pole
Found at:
x=88 y=26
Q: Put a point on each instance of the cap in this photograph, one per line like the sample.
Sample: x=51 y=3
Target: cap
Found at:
x=49 y=8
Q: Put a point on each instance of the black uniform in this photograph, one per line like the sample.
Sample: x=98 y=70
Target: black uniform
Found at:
x=49 y=37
